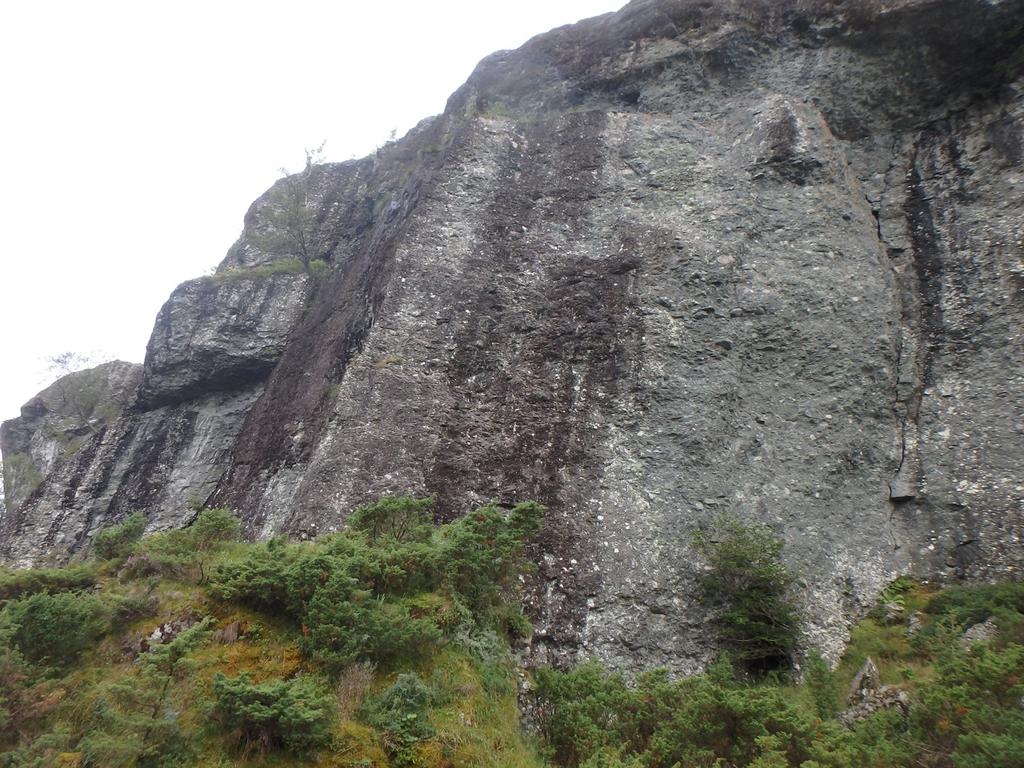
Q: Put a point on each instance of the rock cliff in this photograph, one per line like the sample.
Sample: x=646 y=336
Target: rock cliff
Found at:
x=60 y=420
x=695 y=257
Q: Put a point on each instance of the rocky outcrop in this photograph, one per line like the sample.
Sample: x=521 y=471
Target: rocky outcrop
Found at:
x=220 y=333
x=982 y=632
x=761 y=258
x=867 y=696
x=165 y=461
x=59 y=421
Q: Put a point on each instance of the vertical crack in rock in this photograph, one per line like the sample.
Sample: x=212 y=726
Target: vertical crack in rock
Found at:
x=961 y=213
x=920 y=290
x=906 y=381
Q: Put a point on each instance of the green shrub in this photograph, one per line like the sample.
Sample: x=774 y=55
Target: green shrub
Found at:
x=965 y=710
x=346 y=625
x=286 y=266
x=183 y=553
x=295 y=715
x=44 y=751
x=22 y=583
x=391 y=551
x=395 y=518
x=318 y=268
x=283 y=577
x=356 y=593
x=586 y=712
x=612 y=758
x=512 y=622
x=139 y=565
x=483 y=552
x=22 y=698
x=591 y=718
x=822 y=686
x=260 y=578
x=895 y=593
x=972 y=710
x=400 y=713
x=134 y=721
x=117 y=541
x=967 y=605
x=172 y=554
x=212 y=528
x=748 y=585
x=53 y=629
x=400 y=569
x=125 y=609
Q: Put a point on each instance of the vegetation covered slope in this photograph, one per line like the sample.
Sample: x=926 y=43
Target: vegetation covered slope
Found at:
x=962 y=704
x=385 y=645
x=391 y=644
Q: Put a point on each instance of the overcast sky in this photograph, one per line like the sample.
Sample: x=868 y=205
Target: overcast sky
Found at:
x=134 y=135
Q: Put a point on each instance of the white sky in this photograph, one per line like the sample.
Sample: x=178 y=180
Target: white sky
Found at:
x=134 y=135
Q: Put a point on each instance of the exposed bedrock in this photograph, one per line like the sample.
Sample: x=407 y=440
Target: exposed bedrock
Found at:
x=59 y=421
x=690 y=258
x=218 y=333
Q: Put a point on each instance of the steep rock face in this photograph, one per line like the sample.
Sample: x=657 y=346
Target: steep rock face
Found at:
x=59 y=421
x=690 y=258
x=218 y=333
x=163 y=462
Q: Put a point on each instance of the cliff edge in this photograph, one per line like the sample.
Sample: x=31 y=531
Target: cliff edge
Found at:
x=690 y=258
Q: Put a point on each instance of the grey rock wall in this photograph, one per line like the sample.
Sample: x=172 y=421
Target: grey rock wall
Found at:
x=220 y=332
x=59 y=421
x=164 y=462
x=687 y=259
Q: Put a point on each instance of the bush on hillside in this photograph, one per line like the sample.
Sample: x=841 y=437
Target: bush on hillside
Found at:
x=972 y=710
x=396 y=518
x=213 y=527
x=591 y=718
x=22 y=583
x=260 y=578
x=965 y=710
x=22 y=698
x=117 y=541
x=967 y=605
x=400 y=713
x=346 y=625
x=355 y=593
x=483 y=551
x=134 y=720
x=822 y=687
x=748 y=585
x=295 y=715
x=52 y=630
x=184 y=553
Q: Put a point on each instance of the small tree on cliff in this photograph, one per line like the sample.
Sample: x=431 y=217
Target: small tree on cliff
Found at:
x=290 y=217
x=79 y=390
x=747 y=583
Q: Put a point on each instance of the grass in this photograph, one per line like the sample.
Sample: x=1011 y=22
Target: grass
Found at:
x=475 y=726
x=898 y=660
x=290 y=266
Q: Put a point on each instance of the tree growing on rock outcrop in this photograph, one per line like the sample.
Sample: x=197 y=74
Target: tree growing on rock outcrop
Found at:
x=289 y=216
x=78 y=390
